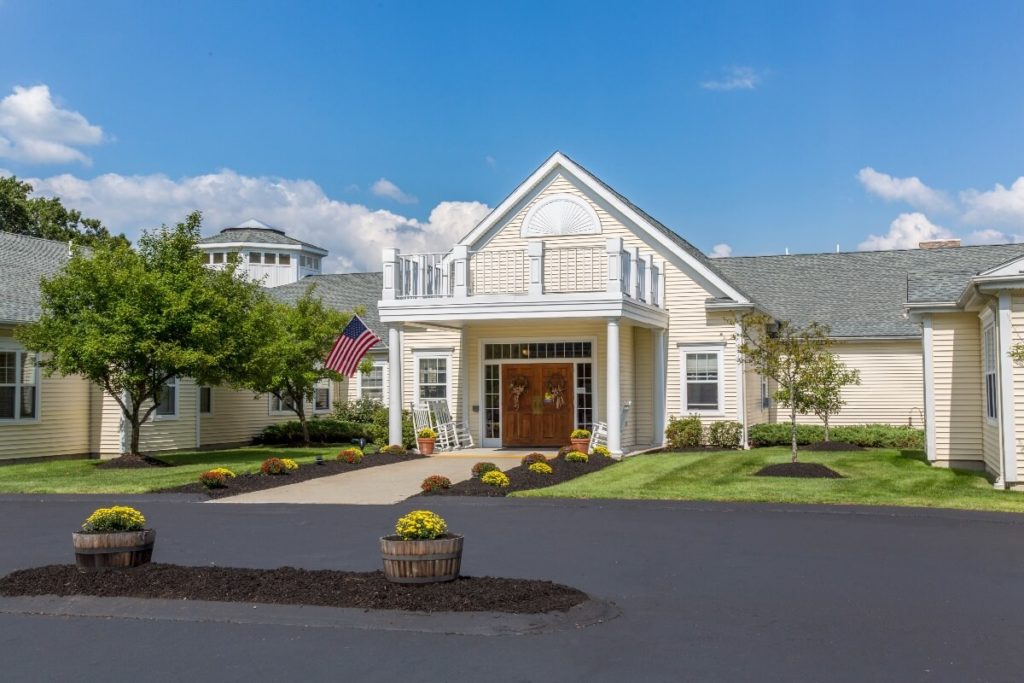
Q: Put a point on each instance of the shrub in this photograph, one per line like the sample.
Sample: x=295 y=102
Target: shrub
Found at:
x=225 y=471
x=867 y=436
x=273 y=466
x=580 y=434
x=541 y=468
x=684 y=432
x=601 y=451
x=351 y=455
x=113 y=519
x=361 y=410
x=495 y=478
x=436 y=482
x=576 y=456
x=426 y=433
x=379 y=430
x=289 y=464
x=482 y=468
x=532 y=458
x=394 y=449
x=321 y=430
x=420 y=525
x=212 y=479
x=371 y=449
x=725 y=434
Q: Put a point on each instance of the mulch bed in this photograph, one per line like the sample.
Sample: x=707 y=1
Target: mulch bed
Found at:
x=128 y=461
x=800 y=470
x=244 y=483
x=521 y=478
x=832 y=446
x=291 y=586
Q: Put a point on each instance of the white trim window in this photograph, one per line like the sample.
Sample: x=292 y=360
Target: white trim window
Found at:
x=988 y=337
x=280 y=406
x=703 y=380
x=167 y=409
x=766 y=397
x=433 y=376
x=373 y=384
x=205 y=400
x=322 y=397
x=19 y=386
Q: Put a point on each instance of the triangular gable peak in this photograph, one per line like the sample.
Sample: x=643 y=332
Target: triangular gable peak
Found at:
x=1012 y=268
x=566 y=206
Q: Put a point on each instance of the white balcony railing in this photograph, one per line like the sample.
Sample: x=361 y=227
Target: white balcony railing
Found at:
x=535 y=271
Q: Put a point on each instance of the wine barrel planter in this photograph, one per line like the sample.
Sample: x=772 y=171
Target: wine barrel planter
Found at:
x=422 y=561
x=115 y=550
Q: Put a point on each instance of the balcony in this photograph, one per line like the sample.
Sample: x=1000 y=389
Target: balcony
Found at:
x=536 y=273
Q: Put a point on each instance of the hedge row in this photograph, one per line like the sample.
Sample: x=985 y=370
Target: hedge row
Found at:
x=321 y=430
x=868 y=436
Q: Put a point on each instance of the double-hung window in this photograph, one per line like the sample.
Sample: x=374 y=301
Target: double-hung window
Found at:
x=279 y=405
x=702 y=378
x=766 y=397
x=432 y=375
x=371 y=384
x=19 y=385
x=989 y=360
x=322 y=397
x=167 y=406
x=205 y=400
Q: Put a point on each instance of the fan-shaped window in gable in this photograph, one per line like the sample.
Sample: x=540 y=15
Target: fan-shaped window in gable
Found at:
x=560 y=214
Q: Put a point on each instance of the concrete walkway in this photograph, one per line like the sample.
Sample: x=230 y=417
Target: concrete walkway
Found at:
x=381 y=485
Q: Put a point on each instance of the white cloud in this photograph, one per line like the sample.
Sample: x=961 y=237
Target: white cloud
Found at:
x=906 y=232
x=999 y=206
x=34 y=129
x=910 y=190
x=354 y=234
x=387 y=189
x=721 y=251
x=990 y=236
x=734 y=78
x=490 y=161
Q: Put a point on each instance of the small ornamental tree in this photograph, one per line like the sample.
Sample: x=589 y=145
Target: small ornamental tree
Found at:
x=826 y=378
x=787 y=354
x=289 y=365
x=131 y=320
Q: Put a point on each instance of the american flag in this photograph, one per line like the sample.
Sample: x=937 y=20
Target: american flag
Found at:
x=355 y=340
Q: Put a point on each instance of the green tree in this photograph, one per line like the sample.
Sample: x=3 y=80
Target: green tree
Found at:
x=46 y=217
x=787 y=354
x=826 y=377
x=131 y=320
x=289 y=365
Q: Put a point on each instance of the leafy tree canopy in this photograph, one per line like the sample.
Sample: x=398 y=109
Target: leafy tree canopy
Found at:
x=46 y=217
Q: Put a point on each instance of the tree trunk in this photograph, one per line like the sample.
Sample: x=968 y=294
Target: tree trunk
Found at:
x=826 y=427
x=301 y=412
x=133 y=448
x=792 y=430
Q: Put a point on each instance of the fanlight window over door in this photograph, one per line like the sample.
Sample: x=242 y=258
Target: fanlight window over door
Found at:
x=561 y=214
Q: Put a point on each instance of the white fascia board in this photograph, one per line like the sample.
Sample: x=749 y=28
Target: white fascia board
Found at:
x=560 y=160
x=877 y=338
x=263 y=246
x=1013 y=267
x=504 y=308
x=992 y=283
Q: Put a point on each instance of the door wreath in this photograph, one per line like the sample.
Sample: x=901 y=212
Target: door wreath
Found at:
x=556 y=388
x=518 y=387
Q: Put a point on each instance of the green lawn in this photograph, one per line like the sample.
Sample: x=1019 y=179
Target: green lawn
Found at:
x=874 y=477
x=82 y=476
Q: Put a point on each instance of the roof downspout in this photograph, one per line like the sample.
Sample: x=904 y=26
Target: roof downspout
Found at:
x=741 y=388
x=928 y=360
x=1007 y=420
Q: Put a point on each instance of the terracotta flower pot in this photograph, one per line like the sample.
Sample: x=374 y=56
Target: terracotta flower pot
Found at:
x=114 y=550
x=580 y=445
x=426 y=446
x=421 y=561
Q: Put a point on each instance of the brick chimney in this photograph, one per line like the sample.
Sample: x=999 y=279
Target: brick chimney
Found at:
x=938 y=244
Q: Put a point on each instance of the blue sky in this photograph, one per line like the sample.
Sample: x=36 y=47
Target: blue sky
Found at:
x=747 y=124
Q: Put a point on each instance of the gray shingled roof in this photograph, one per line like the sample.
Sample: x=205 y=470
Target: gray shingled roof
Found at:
x=259 y=235
x=861 y=294
x=24 y=261
x=343 y=292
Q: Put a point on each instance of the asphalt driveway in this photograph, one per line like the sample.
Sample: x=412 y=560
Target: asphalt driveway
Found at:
x=708 y=592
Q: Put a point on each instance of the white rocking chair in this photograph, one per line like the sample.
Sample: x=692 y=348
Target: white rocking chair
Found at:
x=598 y=436
x=450 y=434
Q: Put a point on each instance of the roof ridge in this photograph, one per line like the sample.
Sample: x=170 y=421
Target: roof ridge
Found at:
x=870 y=251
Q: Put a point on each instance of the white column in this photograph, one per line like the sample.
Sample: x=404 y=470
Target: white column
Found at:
x=535 y=254
x=1007 y=415
x=613 y=404
x=634 y=272
x=741 y=388
x=395 y=380
x=649 y=281
x=662 y=273
x=460 y=258
x=928 y=357
x=660 y=371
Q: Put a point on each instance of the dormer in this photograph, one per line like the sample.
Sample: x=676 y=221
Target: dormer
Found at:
x=264 y=252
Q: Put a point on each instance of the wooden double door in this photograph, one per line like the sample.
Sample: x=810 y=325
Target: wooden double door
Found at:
x=537 y=404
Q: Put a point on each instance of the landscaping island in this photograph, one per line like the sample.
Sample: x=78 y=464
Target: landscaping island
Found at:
x=521 y=478
x=291 y=586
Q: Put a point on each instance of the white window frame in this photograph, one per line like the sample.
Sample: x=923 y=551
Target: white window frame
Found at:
x=383 y=365
x=418 y=356
x=990 y=372
x=19 y=365
x=217 y=258
x=272 y=410
x=256 y=257
x=284 y=259
x=201 y=389
x=270 y=258
x=766 y=398
x=157 y=415
x=323 y=384
x=684 y=350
